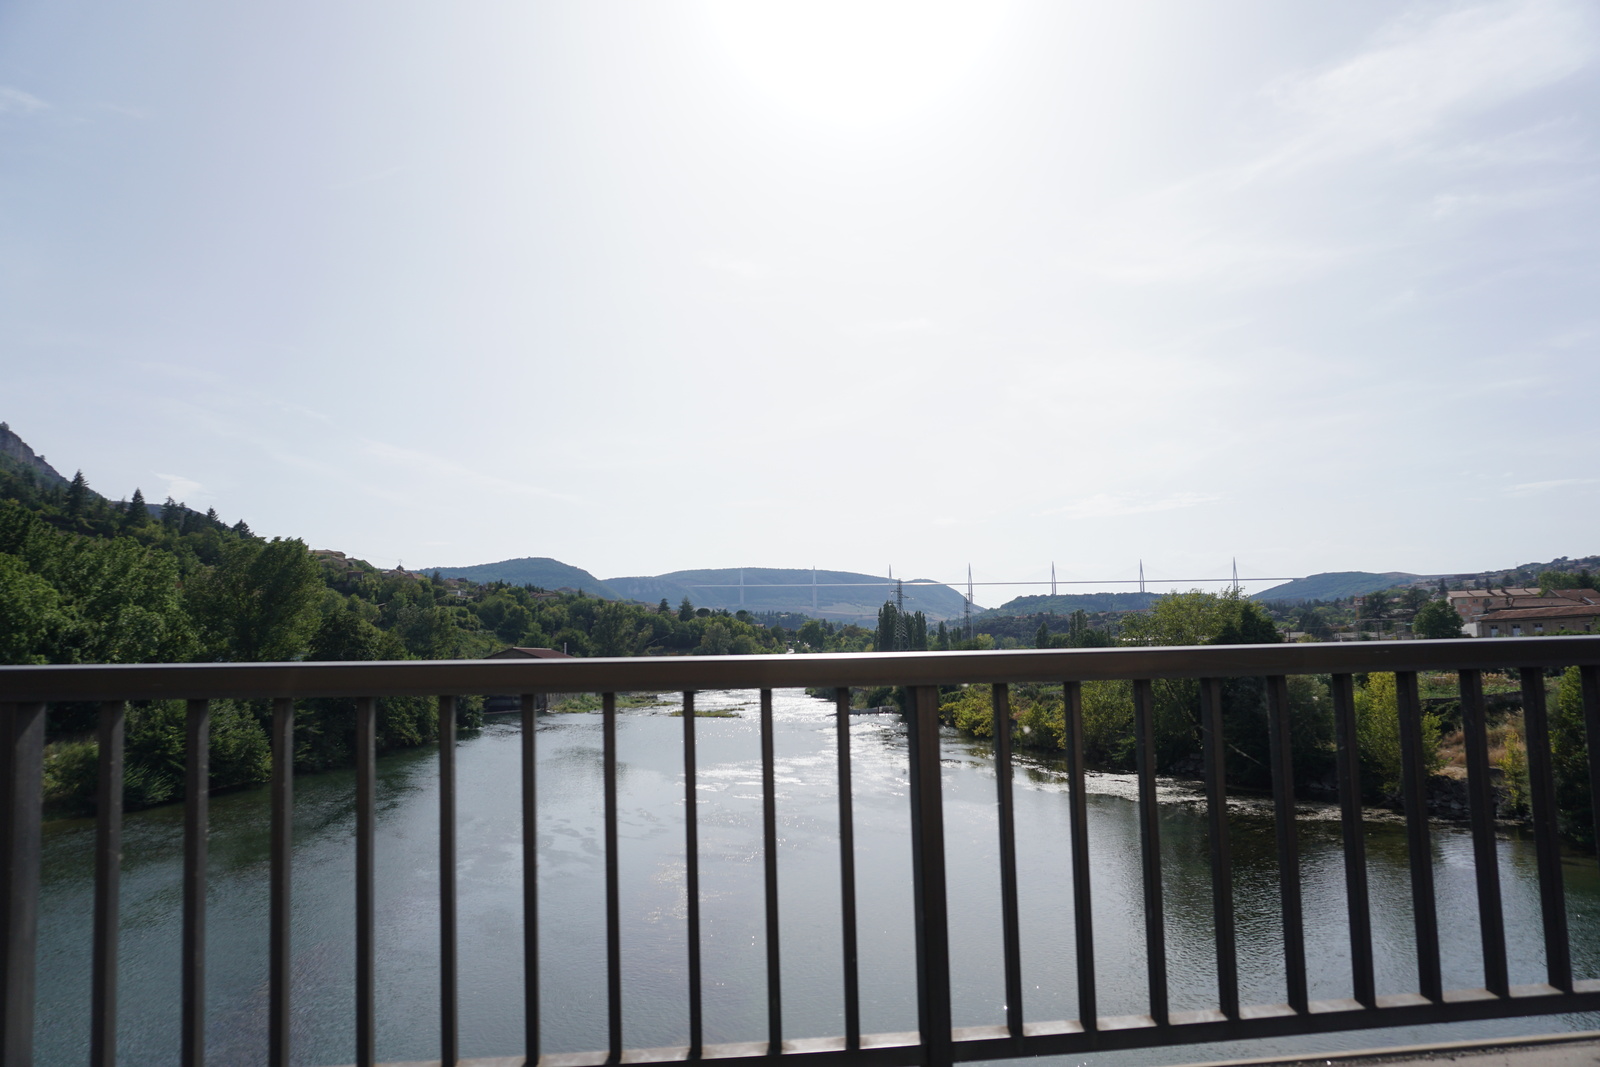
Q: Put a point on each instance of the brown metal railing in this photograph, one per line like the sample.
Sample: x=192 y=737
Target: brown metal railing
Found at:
x=25 y=692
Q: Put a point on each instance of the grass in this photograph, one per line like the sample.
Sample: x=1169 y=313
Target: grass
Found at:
x=586 y=703
x=1453 y=746
x=1447 y=684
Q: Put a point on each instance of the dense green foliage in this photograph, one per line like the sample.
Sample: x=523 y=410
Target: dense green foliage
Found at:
x=1436 y=619
x=83 y=580
x=1193 y=618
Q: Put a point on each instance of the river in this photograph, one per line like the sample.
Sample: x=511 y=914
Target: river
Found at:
x=653 y=899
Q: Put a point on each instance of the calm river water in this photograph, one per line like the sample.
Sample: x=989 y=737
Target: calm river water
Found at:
x=653 y=899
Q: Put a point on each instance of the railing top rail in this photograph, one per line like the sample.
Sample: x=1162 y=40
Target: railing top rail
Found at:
x=682 y=673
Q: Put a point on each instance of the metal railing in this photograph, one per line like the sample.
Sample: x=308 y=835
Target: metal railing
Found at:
x=26 y=691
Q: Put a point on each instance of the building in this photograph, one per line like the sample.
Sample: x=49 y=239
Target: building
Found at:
x=1473 y=602
x=1573 y=615
x=508 y=705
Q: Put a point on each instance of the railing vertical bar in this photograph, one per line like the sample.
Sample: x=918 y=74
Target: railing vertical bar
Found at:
x=929 y=888
x=847 y=872
x=366 y=880
x=1485 y=859
x=1546 y=833
x=449 y=1003
x=278 y=984
x=196 y=803
x=1011 y=928
x=1280 y=738
x=769 y=842
x=608 y=711
x=1155 y=936
x=1351 y=821
x=1413 y=790
x=691 y=851
x=1590 y=678
x=107 y=883
x=1078 y=824
x=1214 y=756
x=530 y=879
x=21 y=838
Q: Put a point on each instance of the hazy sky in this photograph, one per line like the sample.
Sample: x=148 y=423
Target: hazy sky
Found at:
x=653 y=286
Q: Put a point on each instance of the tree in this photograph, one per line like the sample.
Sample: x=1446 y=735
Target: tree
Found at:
x=685 y=610
x=1569 y=754
x=1042 y=638
x=812 y=635
x=1436 y=619
x=1198 y=618
x=717 y=640
x=614 y=633
x=1311 y=622
x=1412 y=599
x=136 y=514
x=260 y=603
x=29 y=613
x=1554 y=579
x=1378 y=735
x=77 y=495
x=1376 y=605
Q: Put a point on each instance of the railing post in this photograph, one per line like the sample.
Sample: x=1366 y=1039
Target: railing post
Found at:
x=1294 y=938
x=21 y=798
x=196 y=833
x=1419 y=847
x=1010 y=923
x=928 y=885
x=847 y=872
x=366 y=881
x=1481 y=806
x=1546 y=835
x=769 y=856
x=530 y=881
x=1357 y=908
x=107 y=884
x=1155 y=929
x=449 y=1000
x=279 y=974
x=1078 y=818
x=1214 y=759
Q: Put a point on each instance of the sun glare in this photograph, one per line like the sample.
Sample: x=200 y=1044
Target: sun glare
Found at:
x=859 y=62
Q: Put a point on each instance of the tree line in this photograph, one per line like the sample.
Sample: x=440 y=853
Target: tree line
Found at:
x=1199 y=618
x=86 y=580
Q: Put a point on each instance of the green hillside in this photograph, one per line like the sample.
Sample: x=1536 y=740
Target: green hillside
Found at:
x=840 y=595
x=1067 y=603
x=1333 y=585
x=542 y=571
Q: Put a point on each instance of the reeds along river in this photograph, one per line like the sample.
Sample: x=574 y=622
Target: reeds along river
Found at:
x=653 y=899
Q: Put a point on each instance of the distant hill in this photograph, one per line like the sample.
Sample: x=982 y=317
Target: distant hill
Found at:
x=844 y=596
x=1067 y=603
x=542 y=571
x=1333 y=585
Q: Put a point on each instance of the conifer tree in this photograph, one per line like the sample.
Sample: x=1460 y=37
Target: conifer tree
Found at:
x=77 y=493
x=136 y=514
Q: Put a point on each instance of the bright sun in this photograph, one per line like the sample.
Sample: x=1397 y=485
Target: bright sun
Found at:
x=856 y=62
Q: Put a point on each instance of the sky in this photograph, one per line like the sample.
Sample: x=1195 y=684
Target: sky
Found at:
x=644 y=287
